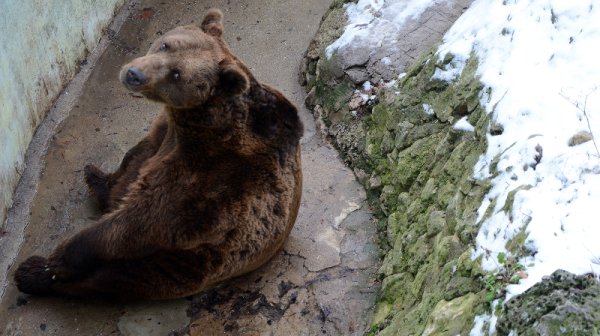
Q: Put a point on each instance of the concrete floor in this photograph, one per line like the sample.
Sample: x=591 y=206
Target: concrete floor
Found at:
x=323 y=281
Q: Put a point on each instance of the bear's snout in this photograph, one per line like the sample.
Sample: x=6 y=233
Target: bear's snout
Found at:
x=134 y=77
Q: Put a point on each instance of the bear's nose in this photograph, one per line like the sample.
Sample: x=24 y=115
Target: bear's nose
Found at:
x=134 y=77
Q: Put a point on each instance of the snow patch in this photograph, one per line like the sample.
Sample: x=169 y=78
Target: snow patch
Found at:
x=464 y=125
x=535 y=60
x=371 y=21
x=452 y=70
x=479 y=327
x=428 y=109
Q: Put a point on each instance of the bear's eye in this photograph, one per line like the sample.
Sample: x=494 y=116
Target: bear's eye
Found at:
x=175 y=74
x=163 y=47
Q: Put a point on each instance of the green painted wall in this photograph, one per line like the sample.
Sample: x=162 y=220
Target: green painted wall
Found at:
x=41 y=46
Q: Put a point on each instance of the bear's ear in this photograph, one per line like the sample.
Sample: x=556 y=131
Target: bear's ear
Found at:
x=232 y=79
x=213 y=23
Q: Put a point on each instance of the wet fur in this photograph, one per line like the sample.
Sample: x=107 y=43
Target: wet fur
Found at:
x=210 y=193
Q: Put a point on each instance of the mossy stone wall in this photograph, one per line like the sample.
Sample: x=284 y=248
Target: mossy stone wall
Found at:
x=417 y=170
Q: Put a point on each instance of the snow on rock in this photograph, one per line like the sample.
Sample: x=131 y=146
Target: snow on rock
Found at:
x=386 y=60
x=382 y=38
x=428 y=109
x=362 y=98
x=463 y=125
x=370 y=20
x=538 y=59
x=451 y=70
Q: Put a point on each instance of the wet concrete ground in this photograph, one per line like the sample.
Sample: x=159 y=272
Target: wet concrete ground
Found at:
x=321 y=283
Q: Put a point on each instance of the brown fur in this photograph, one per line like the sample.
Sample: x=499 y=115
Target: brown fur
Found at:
x=211 y=193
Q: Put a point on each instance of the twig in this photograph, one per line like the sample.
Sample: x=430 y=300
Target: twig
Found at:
x=585 y=114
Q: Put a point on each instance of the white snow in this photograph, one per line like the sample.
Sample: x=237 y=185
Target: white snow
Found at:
x=370 y=21
x=387 y=61
x=538 y=57
x=428 y=109
x=463 y=125
x=483 y=321
x=452 y=70
x=390 y=84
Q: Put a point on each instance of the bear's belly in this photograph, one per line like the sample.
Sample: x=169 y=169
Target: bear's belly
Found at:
x=261 y=231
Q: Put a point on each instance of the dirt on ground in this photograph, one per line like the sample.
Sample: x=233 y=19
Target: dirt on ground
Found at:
x=323 y=282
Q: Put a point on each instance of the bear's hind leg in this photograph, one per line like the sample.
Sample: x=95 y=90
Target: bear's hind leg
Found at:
x=157 y=277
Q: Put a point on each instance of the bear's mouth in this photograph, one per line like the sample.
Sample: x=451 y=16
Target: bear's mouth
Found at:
x=151 y=95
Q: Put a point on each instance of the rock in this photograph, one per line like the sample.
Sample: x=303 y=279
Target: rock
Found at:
x=580 y=138
x=358 y=75
x=352 y=57
x=355 y=102
x=361 y=175
x=325 y=251
x=332 y=26
x=374 y=182
x=561 y=304
x=310 y=98
x=451 y=318
x=398 y=47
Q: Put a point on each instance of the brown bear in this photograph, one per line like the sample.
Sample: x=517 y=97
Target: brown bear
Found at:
x=211 y=193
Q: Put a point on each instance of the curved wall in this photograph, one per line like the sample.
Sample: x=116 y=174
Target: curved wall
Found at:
x=41 y=48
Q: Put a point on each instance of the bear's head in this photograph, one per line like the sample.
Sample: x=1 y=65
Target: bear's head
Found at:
x=186 y=66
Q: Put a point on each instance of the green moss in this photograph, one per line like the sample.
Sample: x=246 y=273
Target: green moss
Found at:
x=460 y=286
x=516 y=245
x=436 y=223
x=510 y=200
x=382 y=311
x=335 y=98
x=397 y=223
x=465 y=265
x=397 y=287
x=452 y=317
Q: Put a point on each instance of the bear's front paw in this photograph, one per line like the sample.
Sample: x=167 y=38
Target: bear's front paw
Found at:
x=73 y=260
x=34 y=276
x=97 y=182
x=94 y=177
